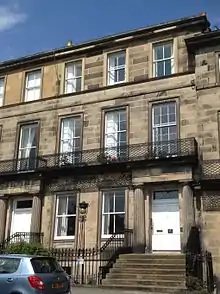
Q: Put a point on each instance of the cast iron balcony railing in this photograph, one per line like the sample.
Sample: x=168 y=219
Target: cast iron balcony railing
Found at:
x=210 y=169
x=182 y=148
x=19 y=166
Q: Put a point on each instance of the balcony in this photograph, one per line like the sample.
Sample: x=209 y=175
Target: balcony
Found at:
x=183 y=150
x=178 y=150
x=19 y=166
x=210 y=169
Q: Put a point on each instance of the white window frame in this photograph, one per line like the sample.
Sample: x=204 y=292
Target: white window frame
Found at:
x=2 y=85
x=34 y=88
x=28 y=149
x=74 y=78
x=155 y=61
x=112 y=150
x=114 y=70
x=64 y=215
x=106 y=236
x=156 y=127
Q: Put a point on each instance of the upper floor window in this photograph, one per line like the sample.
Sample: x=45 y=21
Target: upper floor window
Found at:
x=116 y=133
x=164 y=127
x=73 y=77
x=2 y=90
x=116 y=68
x=65 y=216
x=70 y=139
x=27 y=149
x=113 y=212
x=163 y=60
x=33 y=85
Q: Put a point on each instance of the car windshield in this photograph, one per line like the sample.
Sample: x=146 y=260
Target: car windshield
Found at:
x=9 y=265
x=45 y=265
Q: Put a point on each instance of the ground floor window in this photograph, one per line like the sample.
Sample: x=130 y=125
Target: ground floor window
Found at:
x=113 y=212
x=65 y=222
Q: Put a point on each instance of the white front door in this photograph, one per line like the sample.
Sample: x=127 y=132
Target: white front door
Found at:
x=166 y=221
x=21 y=216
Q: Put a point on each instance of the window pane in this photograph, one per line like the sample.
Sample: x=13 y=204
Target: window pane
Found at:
x=61 y=226
x=33 y=154
x=42 y=265
x=1 y=87
x=173 y=133
x=120 y=203
x=121 y=60
x=78 y=69
x=158 y=51
x=24 y=137
x=164 y=135
x=159 y=68
x=69 y=71
x=167 y=50
x=119 y=223
x=121 y=75
x=22 y=204
x=168 y=70
x=71 y=221
x=78 y=84
x=122 y=138
x=108 y=224
x=62 y=201
x=71 y=205
x=9 y=265
x=108 y=202
x=166 y=195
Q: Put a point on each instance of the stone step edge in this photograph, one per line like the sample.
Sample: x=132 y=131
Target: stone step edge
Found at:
x=174 y=289
x=144 y=280
x=149 y=274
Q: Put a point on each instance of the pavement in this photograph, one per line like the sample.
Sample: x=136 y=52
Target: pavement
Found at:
x=90 y=290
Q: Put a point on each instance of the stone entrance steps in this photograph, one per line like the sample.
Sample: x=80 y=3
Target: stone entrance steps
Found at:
x=164 y=273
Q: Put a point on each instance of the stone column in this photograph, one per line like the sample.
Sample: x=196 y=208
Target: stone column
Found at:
x=36 y=215
x=188 y=213
x=139 y=220
x=148 y=221
x=3 y=213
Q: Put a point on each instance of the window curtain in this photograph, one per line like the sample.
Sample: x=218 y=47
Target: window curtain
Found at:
x=112 y=72
x=67 y=141
x=111 y=131
x=28 y=149
x=70 y=78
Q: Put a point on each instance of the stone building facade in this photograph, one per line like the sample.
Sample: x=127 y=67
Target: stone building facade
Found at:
x=125 y=123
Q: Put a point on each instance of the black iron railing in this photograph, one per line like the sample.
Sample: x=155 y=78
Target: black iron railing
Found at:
x=90 y=266
x=166 y=150
x=26 y=237
x=210 y=169
x=21 y=165
x=130 y=153
x=199 y=268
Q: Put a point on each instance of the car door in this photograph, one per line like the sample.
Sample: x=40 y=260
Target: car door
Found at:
x=55 y=279
x=9 y=268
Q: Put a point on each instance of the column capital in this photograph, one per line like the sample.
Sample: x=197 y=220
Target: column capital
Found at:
x=137 y=186
x=3 y=197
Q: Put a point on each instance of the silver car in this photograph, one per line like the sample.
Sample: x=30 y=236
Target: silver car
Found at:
x=23 y=274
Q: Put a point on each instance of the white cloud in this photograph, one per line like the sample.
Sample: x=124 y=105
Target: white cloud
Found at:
x=10 y=17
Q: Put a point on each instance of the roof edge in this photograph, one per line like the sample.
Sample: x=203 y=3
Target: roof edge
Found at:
x=199 y=20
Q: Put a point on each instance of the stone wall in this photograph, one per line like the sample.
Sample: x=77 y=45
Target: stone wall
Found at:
x=138 y=98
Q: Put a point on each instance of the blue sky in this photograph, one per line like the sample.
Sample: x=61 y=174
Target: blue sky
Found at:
x=28 y=26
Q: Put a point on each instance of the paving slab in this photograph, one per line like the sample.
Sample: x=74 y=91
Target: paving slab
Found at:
x=95 y=290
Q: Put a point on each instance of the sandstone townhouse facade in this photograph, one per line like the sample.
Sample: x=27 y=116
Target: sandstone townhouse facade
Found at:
x=129 y=124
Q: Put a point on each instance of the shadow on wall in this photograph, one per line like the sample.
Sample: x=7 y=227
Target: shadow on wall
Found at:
x=199 y=267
